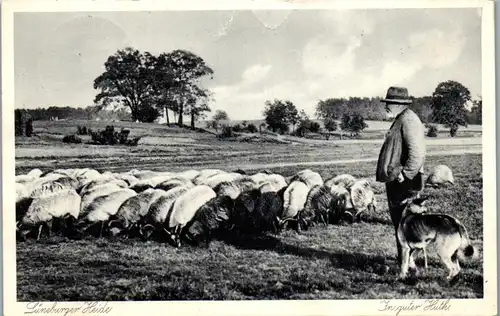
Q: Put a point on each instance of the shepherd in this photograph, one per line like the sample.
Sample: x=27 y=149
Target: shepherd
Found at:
x=401 y=160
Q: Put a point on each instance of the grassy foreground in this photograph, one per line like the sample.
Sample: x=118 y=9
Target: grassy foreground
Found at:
x=339 y=262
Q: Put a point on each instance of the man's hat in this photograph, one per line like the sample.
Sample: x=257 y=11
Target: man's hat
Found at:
x=397 y=95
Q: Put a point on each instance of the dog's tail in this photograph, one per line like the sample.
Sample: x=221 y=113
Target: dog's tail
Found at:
x=466 y=249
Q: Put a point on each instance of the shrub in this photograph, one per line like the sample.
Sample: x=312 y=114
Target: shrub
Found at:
x=83 y=130
x=237 y=128
x=314 y=127
x=226 y=132
x=73 y=139
x=432 y=130
x=251 y=128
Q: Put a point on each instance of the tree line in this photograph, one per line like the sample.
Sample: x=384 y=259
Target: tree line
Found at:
x=446 y=106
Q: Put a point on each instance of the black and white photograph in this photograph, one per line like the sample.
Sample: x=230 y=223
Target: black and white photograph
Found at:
x=314 y=159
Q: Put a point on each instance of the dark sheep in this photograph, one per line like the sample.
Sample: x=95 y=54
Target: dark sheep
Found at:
x=209 y=219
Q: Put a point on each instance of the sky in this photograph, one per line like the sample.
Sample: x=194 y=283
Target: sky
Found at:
x=303 y=56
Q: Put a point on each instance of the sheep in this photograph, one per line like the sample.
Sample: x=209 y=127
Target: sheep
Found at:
x=205 y=174
x=141 y=185
x=214 y=180
x=130 y=179
x=144 y=175
x=362 y=197
x=97 y=191
x=189 y=174
x=259 y=177
x=63 y=183
x=159 y=211
x=440 y=175
x=309 y=177
x=184 y=209
x=29 y=177
x=102 y=208
x=234 y=188
x=343 y=202
x=62 y=204
x=294 y=199
x=132 y=211
x=256 y=211
x=240 y=171
x=211 y=217
x=319 y=206
x=346 y=180
x=92 y=185
x=173 y=183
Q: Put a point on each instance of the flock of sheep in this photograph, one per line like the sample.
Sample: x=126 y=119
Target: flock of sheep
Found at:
x=187 y=206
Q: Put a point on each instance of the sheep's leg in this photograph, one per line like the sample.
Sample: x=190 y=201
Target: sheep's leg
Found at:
x=49 y=227
x=425 y=258
x=39 y=232
x=102 y=228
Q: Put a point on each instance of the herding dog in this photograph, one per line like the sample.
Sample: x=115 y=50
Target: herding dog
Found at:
x=417 y=230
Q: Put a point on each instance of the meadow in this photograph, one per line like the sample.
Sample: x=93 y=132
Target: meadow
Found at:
x=349 y=261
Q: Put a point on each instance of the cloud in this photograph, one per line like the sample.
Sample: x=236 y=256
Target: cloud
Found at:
x=255 y=73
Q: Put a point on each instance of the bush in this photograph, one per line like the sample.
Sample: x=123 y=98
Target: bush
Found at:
x=110 y=137
x=314 y=127
x=72 y=139
x=83 y=130
x=226 y=132
x=432 y=130
x=251 y=128
x=237 y=128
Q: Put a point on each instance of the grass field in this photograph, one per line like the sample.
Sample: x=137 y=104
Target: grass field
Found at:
x=338 y=262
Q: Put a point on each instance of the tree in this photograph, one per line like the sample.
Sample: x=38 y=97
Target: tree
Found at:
x=279 y=114
x=220 y=115
x=330 y=126
x=448 y=104
x=354 y=123
x=187 y=69
x=128 y=81
x=476 y=114
x=331 y=108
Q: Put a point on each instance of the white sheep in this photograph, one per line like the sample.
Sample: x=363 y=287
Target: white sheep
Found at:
x=92 y=185
x=44 y=209
x=345 y=180
x=440 y=175
x=29 y=177
x=49 y=187
x=309 y=177
x=94 y=193
x=294 y=200
x=185 y=208
x=103 y=207
x=188 y=174
x=362 y=197
x=206 y=173
x=159 y=210
x=174 y=182
x=214 y=180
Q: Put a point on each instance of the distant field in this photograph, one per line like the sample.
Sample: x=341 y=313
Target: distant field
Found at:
x=338 y=262
x=177 y=148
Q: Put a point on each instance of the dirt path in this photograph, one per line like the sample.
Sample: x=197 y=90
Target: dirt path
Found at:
x=346 y=161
